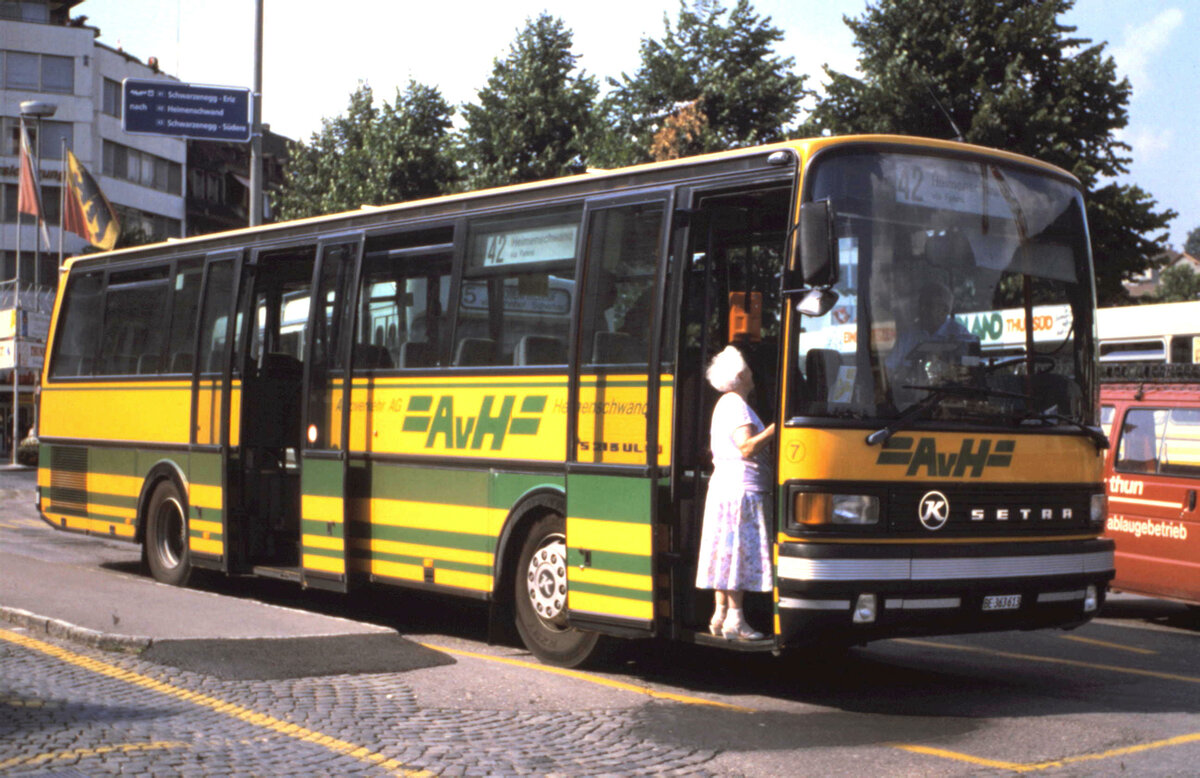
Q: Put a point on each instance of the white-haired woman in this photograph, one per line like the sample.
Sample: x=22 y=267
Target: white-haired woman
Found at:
x=734 y=548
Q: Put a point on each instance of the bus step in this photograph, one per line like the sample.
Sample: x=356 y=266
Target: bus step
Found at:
x=279 y=572
x=706 y=639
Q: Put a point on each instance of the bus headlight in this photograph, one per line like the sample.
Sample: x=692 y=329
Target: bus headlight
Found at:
x=1099 y=512
x=814 y=509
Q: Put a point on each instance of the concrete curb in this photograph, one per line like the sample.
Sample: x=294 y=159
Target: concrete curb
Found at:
x=126 y=644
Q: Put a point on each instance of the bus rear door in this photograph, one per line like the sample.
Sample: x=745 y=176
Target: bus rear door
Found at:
x=326 y=414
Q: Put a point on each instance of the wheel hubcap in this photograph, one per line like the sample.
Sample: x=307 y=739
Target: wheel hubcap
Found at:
x=171 y=528
x=546 y=581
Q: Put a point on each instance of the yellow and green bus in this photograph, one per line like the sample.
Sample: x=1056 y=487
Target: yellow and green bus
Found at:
x=500 y=395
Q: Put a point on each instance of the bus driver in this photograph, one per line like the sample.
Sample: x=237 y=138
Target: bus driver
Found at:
x=935 y=332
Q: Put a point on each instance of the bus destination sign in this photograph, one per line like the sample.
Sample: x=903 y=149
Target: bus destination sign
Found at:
x=161 y=107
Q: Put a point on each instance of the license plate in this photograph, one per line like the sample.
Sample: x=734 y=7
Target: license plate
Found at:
x=1002 y=602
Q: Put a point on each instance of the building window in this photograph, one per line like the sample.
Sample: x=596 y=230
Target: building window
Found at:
x=39 y=72
x=51 y=204
x=25 y=11
x=53 y=135
x=58 y=74
x=111 y=99
x=141 y=168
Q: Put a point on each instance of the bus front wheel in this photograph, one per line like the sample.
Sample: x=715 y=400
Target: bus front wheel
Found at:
x=166 y=542
x=541 y=597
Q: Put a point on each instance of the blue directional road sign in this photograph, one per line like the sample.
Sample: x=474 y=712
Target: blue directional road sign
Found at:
x=161 y=107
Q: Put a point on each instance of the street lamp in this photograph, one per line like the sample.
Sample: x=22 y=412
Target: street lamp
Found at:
x=38 y=110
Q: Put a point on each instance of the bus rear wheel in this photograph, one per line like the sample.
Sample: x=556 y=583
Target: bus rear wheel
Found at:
x=166 y=542
x=541 y=597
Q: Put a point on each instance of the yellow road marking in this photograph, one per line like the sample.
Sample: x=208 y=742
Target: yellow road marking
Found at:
x=1027 y=767
x=1054 y=660
x=214 y=704
x=1106 y=644
x=628 y=687
x=81 y=753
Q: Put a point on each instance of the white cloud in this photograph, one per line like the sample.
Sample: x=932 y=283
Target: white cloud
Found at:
x=1142 y=43
x=1148 y=143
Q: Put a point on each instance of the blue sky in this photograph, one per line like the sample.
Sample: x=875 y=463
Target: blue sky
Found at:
x=314 y=56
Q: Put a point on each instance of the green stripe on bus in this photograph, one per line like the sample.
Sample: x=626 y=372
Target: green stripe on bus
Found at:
x=448 y=539
x=321 y=477
x=328 y=553
x=507 y=488
x=117 y=461
x=205 y=469
x=112 y=500
x=322 y=529
x=408 y=559
x=467 y=488
x=612 y=591
x=610 y=562
x=609 y=498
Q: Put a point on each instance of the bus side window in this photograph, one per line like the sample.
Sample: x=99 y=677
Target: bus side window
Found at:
x=402 y=319
x=135 y=322
x=79 y=337
x=519 y=283
x=185 y=301
x=619 y=303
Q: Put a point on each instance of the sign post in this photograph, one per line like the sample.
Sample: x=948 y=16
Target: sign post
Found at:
x=163 y=107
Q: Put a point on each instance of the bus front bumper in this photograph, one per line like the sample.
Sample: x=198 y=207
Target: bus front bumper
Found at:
x=850 y=593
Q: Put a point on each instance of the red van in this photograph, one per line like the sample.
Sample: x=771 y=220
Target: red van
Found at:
x=1152 y=474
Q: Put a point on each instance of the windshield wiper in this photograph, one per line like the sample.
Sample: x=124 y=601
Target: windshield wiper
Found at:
x=929 y=402
x=1095 y=434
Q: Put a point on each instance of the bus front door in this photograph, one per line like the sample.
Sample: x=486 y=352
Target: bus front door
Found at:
x=326 y=416
x=621 y=419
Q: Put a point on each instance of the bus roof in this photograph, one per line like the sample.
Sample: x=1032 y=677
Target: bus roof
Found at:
x=804 y=149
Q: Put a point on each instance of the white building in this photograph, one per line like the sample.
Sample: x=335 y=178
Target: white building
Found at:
x=44 y=56
x=48 y=58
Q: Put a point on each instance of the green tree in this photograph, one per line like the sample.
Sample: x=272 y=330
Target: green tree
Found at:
x=1011 y=76
x=715 y=73
x=1177 y=284
x=534 y=118
x=1192 y=244
x=373 y=155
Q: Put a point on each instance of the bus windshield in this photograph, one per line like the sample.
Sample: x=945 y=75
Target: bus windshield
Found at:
x=964 y=294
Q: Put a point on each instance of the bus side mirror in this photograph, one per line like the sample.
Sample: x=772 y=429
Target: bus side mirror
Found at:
x=814 y=259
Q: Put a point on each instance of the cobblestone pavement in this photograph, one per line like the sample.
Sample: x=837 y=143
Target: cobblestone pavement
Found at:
x=65 y=708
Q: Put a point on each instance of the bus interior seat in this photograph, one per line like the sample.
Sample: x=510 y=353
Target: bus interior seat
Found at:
x=617 y=348
x=122 y=364
x=540 y=350
x=215 y=357
x=147 y=364
x=280 y=366
x=472 y=352
x=821 y=367
x=272 y=404
x=181 y=362
x=416 y=353
x=370 y=356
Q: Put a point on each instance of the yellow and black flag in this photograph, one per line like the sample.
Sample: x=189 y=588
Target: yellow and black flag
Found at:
x=87 y=212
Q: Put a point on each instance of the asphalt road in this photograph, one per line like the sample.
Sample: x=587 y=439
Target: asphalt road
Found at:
x=405 y=683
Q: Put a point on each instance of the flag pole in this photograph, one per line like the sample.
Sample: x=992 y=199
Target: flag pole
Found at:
x=62 y=203
x=12 y=419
